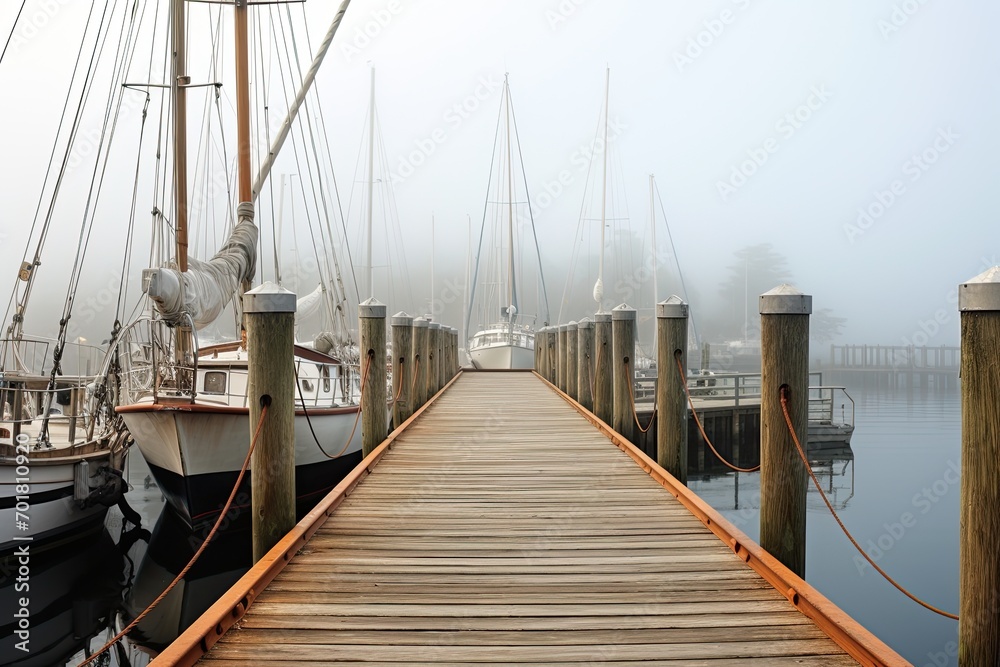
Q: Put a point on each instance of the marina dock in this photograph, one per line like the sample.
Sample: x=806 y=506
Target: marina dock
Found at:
x=503 y=523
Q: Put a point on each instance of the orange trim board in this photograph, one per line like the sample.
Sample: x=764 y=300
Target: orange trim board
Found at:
x=203 y=634
x=850 y=635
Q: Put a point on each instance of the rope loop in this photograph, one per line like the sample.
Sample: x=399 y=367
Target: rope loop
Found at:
x=819 y=487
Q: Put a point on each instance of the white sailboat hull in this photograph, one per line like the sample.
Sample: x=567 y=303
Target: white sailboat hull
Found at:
x=503 y=357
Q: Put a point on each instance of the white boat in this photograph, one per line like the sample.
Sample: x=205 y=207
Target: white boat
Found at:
x=507 y=343
x=186 y=406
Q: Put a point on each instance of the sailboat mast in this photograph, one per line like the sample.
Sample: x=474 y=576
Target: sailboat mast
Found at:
x=178 y=93
x=599 y=288
x=243 y=104
x=371 y=181
x=433 y=243
x=652 y=229
x=510 y=216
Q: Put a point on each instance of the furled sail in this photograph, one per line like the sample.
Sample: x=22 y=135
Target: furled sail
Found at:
x=206 y=287
x=309 y=304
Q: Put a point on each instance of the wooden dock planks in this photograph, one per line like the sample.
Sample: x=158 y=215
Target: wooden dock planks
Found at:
x=503 y=528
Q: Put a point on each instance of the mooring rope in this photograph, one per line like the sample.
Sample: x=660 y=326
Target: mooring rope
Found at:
x=701 y=429
x=357 y=416
x=399 y=391
x=819 y=487
x=265 y=402
x=631 y=395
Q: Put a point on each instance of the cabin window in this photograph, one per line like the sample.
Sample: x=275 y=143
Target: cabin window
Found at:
x=215 y=382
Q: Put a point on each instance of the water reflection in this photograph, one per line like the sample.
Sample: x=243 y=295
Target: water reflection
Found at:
x=75 y=591
x=171 y=547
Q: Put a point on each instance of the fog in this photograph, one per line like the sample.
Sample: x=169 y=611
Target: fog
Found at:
x=856 y=138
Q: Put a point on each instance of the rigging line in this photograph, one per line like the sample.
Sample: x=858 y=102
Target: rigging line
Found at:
x=635 y=415
x=129 y=239
x=673 y=250
x=267 y=138
x=819 y=487
x=482 y=229
x=197 y=554
x=12 y=29
x=321 y=261
x=531 y=215
x=357 y=415
x=48 y=172
x=329 y=154
x=315 y=153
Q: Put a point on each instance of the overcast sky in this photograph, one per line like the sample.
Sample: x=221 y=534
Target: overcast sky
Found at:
x=763 y=121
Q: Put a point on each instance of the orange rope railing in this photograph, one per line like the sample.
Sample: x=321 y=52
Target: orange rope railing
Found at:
x=819 y=487
x=631 y=394
x=701 y=429
x=197 y=554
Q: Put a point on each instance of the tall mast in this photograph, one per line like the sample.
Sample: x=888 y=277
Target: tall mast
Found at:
x=510 y=217
x=178 y=93
x=243 y=104
x=599 y=287
x=371 y=181
x=652 y=228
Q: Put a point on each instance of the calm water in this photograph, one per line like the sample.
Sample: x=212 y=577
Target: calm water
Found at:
x=903 y=452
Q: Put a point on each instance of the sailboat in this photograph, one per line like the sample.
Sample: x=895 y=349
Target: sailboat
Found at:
x=187 y=406
x=507 y=341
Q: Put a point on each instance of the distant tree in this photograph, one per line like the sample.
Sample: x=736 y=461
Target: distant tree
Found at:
x=755 y=270
x=824 y=326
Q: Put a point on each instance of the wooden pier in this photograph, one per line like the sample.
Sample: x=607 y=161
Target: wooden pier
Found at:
x=504 y=524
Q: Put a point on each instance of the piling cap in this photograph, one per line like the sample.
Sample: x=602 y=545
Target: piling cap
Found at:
x=623 y=312
x=420 y=322
x=269 y=298
x=401 y=319
x=435 y=325
x=585 y=323
x=981 y=293
x=572 y=325
x=673 y=308
x=602 y=317
x=371 y=308
x=785 y=300
x=563 y=328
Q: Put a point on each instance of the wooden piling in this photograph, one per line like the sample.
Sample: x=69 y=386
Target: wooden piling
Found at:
x=371 y=315
x=706 y=356
x=433 y=335
x=419 y=355
x=402 y=368
x=538 y=350
x=603 y=386
x=270 y=323
x=541 y=348
x=563 y=357
x=979 y=569
x=623 y=369
x=585 y=363
x=671 y=402
x=440 y=362
x=784 y=325
x=553 y=353
x=571 y=362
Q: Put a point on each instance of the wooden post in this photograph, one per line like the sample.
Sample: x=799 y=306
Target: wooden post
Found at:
x=603 y=386
x=538 y=350
x=585 y=363
x=671 y=402
x=541 y=347
x=571 y=363
x=402 y=368
x=72 y=411
x=623 y=369
x=979 y=569
x=270 y=322
x=440 y=359
x=553 y=353
x=706 y=356
x=433 y=333
x=784 y=345
x=420 y=329
x=453 y=353
x=561 y=363
x=371 y=314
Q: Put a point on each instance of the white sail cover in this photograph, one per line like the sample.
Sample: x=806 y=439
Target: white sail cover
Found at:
x=206 y=287
x=309 y=304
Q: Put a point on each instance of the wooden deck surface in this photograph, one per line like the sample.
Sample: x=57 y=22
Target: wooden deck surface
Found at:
x=503 y=527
